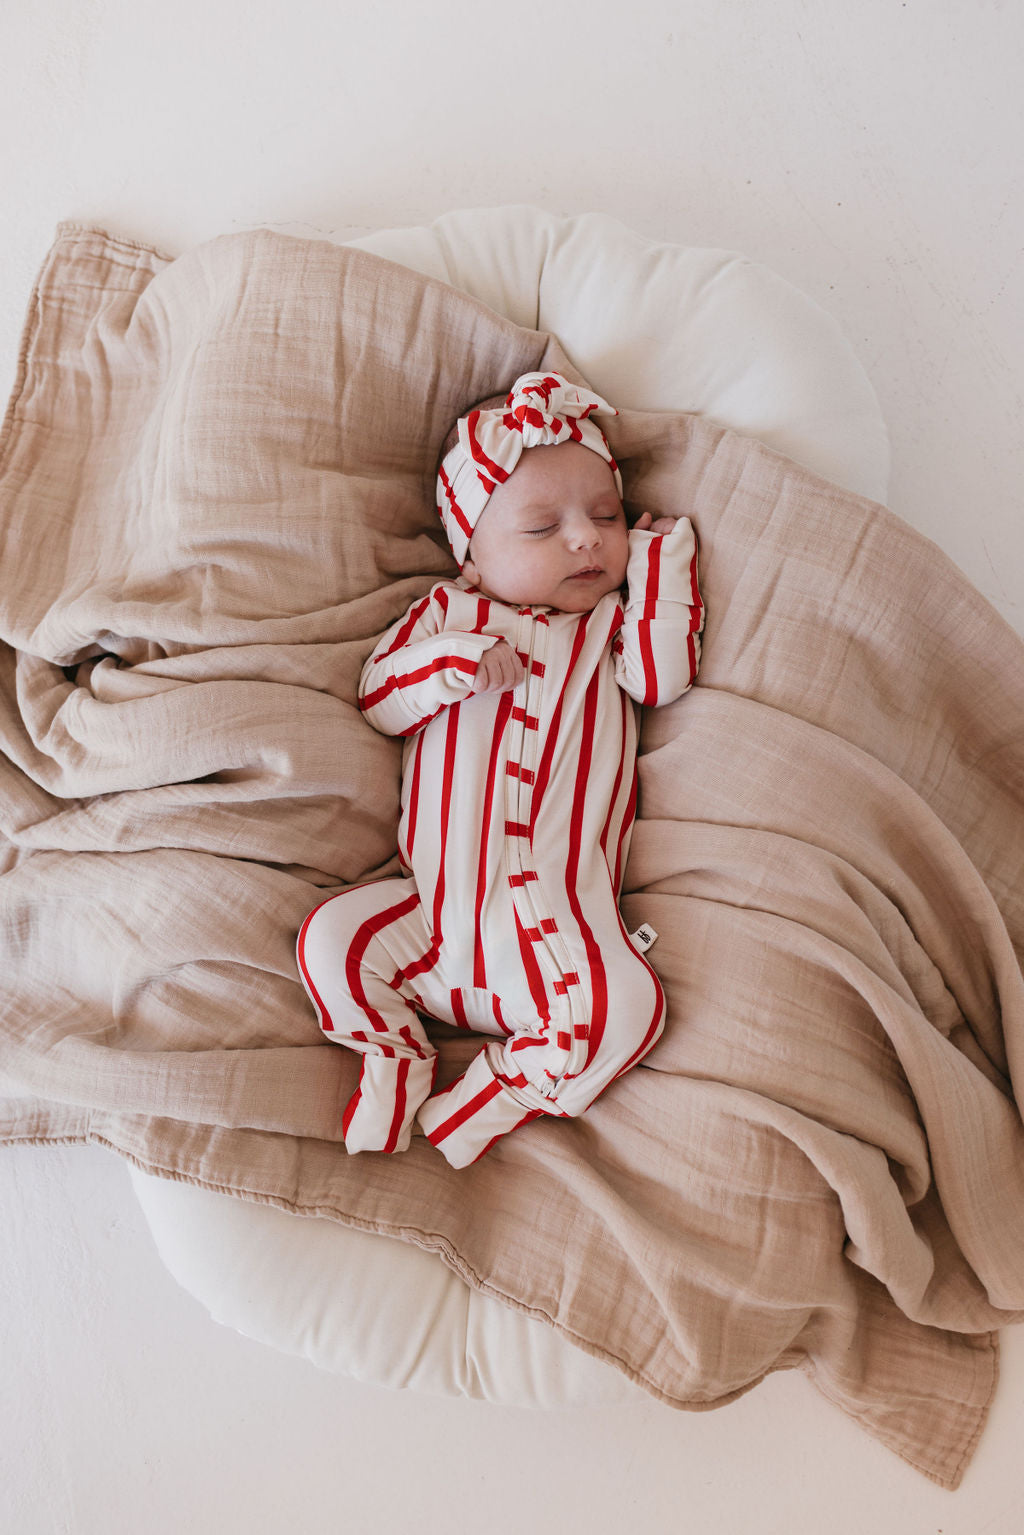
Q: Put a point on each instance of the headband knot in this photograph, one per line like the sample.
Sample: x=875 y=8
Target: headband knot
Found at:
x=541 y=409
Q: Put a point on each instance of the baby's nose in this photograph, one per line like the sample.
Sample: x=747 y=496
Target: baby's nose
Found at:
x=583 y=533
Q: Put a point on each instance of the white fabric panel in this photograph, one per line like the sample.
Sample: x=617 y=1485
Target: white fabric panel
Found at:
x=653 y=327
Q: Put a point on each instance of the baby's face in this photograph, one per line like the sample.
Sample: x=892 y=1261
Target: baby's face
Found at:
x=554 y=535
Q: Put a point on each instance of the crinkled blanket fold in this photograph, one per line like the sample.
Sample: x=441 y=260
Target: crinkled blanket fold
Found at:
x=216 y=493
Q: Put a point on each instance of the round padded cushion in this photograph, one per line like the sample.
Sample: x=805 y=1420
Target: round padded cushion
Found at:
x=668 y=327
x=652 y=327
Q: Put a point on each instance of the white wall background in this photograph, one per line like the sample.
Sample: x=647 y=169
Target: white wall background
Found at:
x=869 y=152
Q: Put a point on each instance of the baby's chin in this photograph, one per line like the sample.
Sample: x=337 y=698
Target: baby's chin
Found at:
x=581 y=603
x=571 y=596
x=580 y=596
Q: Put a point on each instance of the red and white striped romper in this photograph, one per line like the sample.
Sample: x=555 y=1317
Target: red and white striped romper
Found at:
x=516 y=813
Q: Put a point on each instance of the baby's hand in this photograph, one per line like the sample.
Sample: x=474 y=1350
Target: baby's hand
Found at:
x=646 y=524
x=499 y=668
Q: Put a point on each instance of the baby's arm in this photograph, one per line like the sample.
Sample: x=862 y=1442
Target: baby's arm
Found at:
x=658 y=645
x=420 y=668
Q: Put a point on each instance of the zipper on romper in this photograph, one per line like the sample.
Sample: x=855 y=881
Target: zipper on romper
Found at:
x=575 y=1055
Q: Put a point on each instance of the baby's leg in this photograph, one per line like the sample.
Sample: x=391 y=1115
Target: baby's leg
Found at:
x=515 y=1080
x=351 y=952
x=624 y=1026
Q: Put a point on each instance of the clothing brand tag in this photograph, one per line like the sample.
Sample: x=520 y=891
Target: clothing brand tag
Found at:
x=643 y=938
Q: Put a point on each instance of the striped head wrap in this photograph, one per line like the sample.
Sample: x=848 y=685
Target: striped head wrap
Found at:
x=541 y=409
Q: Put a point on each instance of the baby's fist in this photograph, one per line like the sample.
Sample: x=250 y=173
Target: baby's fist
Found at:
x=500 y=668
x=645 y=523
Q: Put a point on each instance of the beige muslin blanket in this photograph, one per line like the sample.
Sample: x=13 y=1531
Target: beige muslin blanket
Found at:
x=215 y=493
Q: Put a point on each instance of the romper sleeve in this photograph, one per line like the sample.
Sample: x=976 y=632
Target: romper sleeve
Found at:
x=419 y=668
x=657 y=649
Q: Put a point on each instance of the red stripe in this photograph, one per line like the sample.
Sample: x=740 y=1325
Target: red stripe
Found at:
x=527 y=1117
x=534 y=978
x=428 y=959
x=627 y=822
x=484 y=1097
x=477 y=453
x=598 y=978
x=453 y=506
x=326 y=1022
x=443 y=1092
x=516 y=829
x=411 y=619
x=412 y=730
x=696 y=619
x=522 y=718
x=516 y=770
x=406 y=1035
x=412 y=812
x=547 y=757
x=500 y=721
x=614 y=796
x=364 y=935
x=696 y=601
x=447 y=780
x=409 y=679
x=498 y=1018
x=516 y=880
x=659 y=1007
x=644 y=623
x=353 y=1104
x=652 y=1032
x=401 y=1095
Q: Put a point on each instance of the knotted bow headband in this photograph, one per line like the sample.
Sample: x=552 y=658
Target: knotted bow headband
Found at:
x=541 y=409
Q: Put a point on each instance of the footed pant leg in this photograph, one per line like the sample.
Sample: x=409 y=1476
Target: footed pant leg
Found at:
x=515 y=1080
x=351 y=952
x=465 y=1119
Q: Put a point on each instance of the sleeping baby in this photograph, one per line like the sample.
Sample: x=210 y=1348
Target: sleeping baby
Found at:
x=512 y=686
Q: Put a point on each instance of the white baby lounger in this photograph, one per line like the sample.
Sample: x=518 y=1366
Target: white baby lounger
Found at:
x=651 y=327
